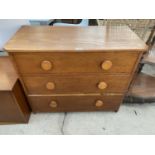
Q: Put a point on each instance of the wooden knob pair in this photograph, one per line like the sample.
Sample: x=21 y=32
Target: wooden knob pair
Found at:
x=99 y=103
x=53 y=104
x=46 y=65
x=106 y=65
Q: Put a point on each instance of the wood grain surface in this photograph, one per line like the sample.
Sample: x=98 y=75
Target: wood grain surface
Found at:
x=143 y=87
x=92 y=38
x=76 y=84
x=8 y=74
x=74 y=103
x=83 y=62
x=14 y=106
x=75 y=68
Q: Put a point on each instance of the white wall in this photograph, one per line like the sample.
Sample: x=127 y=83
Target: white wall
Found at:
x=8 y=28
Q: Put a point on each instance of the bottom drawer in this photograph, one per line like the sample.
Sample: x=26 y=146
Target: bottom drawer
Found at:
x=75 y=103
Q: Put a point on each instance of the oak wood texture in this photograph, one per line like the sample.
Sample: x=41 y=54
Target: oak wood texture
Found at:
x=53 y=104
x=8 y=74
x=143 y=87
x=75 y=68
x=76 y=83
x=50 y=85
x=99 y=103
x=13 y=103
x=92 y=38
x=106 y=65
x=9 y=110
x=82 y=62
x=46 y=65
x=102 y=85
x=74 y=103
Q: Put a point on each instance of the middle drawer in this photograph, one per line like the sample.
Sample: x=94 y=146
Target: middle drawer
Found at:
x=95 y=83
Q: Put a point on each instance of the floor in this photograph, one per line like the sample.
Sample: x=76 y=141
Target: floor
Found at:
x=130 y=119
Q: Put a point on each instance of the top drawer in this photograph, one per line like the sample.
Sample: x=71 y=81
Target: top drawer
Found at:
x=76 y=62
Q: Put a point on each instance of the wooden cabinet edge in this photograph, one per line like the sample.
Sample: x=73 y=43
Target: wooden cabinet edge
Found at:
x=21 y=101
x=134 y=72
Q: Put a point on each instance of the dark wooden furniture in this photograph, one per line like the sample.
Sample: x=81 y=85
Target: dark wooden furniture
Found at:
x=13 y=104
x=75 y=68
x=143 y=88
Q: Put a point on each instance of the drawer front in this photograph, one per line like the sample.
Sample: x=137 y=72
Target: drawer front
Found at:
x=76 y=62
x=75 y=103
x=94 y=83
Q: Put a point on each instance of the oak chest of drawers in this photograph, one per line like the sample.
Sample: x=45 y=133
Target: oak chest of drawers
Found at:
x=75 y=68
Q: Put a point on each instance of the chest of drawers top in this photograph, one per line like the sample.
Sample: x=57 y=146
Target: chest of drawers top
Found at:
x=75 y=39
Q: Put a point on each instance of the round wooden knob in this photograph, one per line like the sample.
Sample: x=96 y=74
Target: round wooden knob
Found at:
x=99 y=103
x=46 y=65
x=106 y=65
x=53 y=104
x=102 y=85
x=50 y=85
